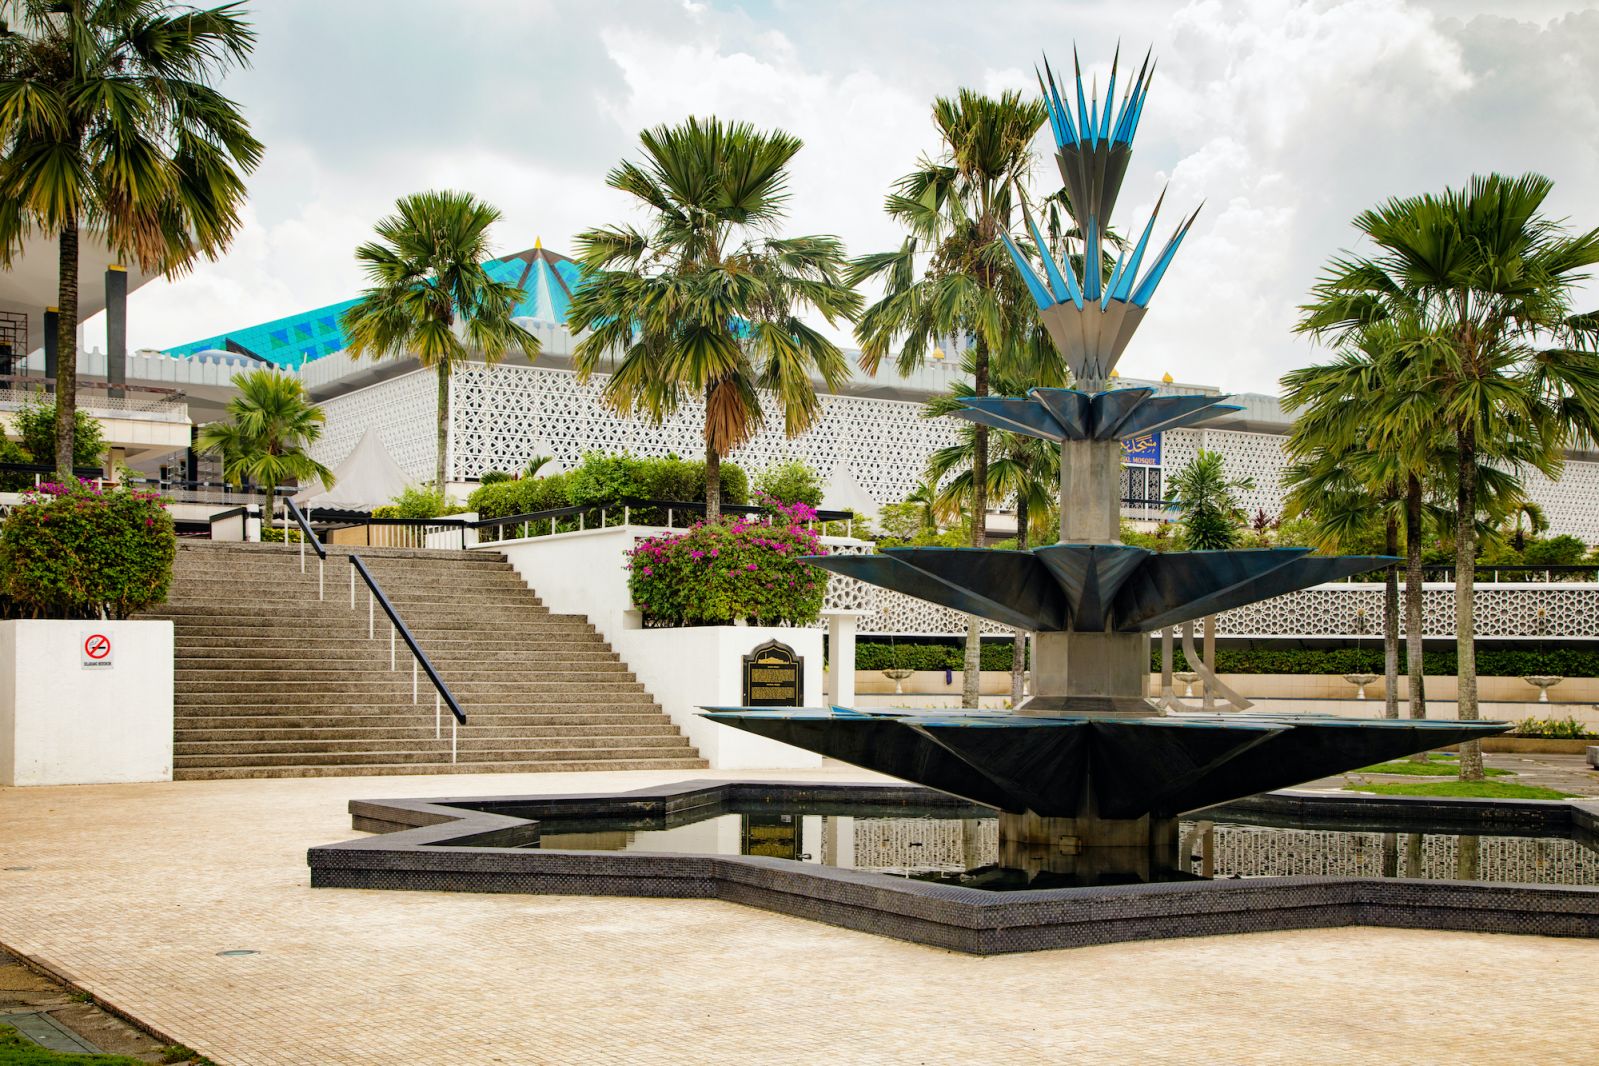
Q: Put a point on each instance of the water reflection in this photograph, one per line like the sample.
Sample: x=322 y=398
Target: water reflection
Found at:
x=941 y=845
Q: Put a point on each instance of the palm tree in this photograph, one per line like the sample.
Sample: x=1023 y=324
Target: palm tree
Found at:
x=705 y=302
x=1020 y=467
x=1536 y=521
x=955 y=209
x=432 y=298
x=1207 y=499
x=109 y=124
x=271 y=424
x=1500 y=357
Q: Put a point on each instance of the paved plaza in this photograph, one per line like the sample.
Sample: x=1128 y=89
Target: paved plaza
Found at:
x=130 y=892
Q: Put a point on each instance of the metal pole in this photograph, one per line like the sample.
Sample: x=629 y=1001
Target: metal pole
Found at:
x=391 y=645
x=581 y=515
x=321 y=570
x=302 y=554
x=413 y=677
x=627 y=514
x=352 y=586
x=371 y=610
x=437 y=723
x=452 y=738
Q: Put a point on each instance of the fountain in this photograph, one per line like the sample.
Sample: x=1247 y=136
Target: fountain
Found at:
x=1088 y=775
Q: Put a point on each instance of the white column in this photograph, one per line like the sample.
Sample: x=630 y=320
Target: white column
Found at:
x=841 y=626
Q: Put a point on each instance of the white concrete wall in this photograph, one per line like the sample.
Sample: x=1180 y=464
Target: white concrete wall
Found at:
x=684 y=669
x=62 y=723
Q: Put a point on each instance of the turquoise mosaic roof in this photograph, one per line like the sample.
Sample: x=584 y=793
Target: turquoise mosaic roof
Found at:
x=547 y=278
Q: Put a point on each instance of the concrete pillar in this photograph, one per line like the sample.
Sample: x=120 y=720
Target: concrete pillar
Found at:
x=116 y=328
x=1090 y=492
x=841 y=627
x=1089 y=672
x=52 y=343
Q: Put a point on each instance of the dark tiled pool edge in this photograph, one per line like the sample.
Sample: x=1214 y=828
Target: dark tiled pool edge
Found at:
x=420 y=850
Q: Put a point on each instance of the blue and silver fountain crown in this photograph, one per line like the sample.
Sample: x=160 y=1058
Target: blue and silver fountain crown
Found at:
x=1091 y=319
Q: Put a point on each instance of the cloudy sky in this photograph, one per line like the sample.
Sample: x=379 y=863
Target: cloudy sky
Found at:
x=1287 y=118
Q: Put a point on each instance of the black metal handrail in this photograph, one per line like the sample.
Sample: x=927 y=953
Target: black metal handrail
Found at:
x=307 y=534
x=441 y=689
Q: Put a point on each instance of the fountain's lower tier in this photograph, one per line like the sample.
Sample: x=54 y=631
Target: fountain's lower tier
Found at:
x=1115 y=780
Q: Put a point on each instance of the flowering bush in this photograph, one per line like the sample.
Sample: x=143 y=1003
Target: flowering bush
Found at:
x=716 y=574
x=77 y=551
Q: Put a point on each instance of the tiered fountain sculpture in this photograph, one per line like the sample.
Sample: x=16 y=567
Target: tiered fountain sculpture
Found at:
x=1089 y=775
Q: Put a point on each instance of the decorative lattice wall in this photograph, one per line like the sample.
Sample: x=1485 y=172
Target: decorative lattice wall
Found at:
x=504 y=415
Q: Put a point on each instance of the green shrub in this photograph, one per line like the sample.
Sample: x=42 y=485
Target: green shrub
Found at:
x=81 y=552
x=873 y=655
x=279 y=535
x=1552 y=728
x=719 y=573
x=418 y=503
x=792 y=482
x=494 y=477
x=1491 y=662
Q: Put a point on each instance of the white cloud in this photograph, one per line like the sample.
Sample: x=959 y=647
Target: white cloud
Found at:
x=1287 y=117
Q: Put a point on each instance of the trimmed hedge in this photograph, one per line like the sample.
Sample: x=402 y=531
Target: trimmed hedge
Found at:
x=875 y=656
x=75 y=551
x=1491 y=662
x=603 y=481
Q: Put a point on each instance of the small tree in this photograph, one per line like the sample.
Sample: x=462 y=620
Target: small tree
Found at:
x=1207 y=500
x=272 y=425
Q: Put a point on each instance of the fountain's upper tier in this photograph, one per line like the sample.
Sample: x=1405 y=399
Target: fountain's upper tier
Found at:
x=1068 y=414
x=1095 y=588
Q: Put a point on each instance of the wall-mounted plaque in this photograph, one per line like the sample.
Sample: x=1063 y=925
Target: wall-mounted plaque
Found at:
x=774 y=677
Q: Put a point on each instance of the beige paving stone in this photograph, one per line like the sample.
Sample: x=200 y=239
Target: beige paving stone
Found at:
x=133 y=889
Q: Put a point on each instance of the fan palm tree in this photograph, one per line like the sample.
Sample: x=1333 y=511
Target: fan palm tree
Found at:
x=432 y=298
x=271 y=424
x=705 y=302
x=1024 y=468
x=109 y=124
x=1500 y=356
x=951 y=275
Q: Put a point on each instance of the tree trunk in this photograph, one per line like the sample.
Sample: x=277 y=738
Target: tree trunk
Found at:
x=971 y=683
x=1018 y=652
x=713 y=468
x=1465 y=583
x=439 y=473
x=67 y=351
x=1390 y=623
x=1414 y=615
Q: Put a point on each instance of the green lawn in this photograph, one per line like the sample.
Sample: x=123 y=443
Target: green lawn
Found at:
x=1475 y=789
x=17 y=1050
x=1426 y=769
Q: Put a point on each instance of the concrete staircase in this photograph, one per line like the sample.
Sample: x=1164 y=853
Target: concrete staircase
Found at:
x=272 y=682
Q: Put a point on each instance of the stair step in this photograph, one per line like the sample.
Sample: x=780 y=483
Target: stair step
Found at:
x=527 y=756
x=193 y=724
x=202 y=751
x=431 y=768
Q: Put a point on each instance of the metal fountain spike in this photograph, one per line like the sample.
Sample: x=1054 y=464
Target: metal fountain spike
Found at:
x=1090 y=320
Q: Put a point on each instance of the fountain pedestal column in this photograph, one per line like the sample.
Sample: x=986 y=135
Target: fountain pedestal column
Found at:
x=1089 y=672
x=1090 y=489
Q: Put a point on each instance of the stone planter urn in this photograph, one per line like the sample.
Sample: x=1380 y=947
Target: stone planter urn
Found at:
x=1543 y=683
x=1360 y=681
x=1187 y=677
x=898 y=676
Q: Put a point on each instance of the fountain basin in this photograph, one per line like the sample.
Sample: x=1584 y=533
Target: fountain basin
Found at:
x=492 y=845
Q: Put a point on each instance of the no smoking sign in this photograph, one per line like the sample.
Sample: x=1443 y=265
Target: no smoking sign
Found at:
x=97 y=652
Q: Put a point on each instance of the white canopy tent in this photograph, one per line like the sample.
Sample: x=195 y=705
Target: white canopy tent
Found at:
x=843 y=493
x=367 y=478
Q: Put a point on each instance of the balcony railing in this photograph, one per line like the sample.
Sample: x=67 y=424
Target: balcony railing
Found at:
x=19 y=389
